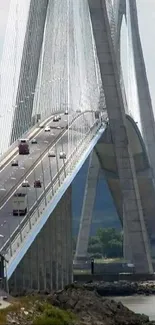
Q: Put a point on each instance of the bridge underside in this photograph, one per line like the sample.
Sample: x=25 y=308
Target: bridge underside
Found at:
x=106 y=155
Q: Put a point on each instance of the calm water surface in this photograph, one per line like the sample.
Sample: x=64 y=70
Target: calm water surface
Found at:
x=139 y=304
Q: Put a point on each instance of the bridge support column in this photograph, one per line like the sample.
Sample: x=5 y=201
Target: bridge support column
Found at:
x=47 y=265
x=127 y=253
x=146 y=121
x=87 y=209
x=126 y=169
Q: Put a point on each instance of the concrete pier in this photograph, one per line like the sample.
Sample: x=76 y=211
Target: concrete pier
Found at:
x=131 y=199
x=87 y=209
x=47 y=265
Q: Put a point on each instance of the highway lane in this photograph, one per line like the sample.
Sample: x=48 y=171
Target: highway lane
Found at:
x=10 y=176
x=8 y=222
x=42 y=172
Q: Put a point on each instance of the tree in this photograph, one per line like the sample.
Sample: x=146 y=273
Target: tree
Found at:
x=96 y=248
x=107 y=242
x=93 y=240
x=105 y=235
x=114 y=248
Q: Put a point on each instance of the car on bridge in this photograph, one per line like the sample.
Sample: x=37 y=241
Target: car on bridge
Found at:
x=47 y=129
x=56 y=118
x=14 y=163
x=37 y=183
x=34 y=141
x=62 y=155
x=25 y=184
x=51 y=154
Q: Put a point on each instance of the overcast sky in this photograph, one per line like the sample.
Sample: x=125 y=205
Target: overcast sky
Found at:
x=146 y=9
x=4 y=6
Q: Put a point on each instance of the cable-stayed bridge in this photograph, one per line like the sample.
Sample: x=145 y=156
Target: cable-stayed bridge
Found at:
x=66 y=61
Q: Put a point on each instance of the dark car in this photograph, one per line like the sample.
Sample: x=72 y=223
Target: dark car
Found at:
x=37 y=183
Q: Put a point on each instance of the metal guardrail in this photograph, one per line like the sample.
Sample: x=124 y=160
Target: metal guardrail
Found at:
x=29 y=170
x=46 y=151
x=63 y=171
x=28 y=134
x=40 y=157
x=42 y=202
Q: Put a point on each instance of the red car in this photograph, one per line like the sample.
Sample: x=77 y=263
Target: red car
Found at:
x=37 y=183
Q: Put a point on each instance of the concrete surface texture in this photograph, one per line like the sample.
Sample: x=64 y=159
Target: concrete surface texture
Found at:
x=47 y=265
x=126 y=169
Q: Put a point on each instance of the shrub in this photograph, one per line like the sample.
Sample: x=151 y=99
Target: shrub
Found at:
x=47 y=321
x=53 y=316
x=96 y=255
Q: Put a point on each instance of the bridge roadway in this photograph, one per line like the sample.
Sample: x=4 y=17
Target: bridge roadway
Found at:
x=11 y=178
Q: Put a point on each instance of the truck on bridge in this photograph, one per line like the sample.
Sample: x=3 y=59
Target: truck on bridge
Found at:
x=19 y=204
x=23 y=147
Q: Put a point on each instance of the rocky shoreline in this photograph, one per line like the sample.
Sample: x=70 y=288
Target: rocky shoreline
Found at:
x=122 y=288
x=86 y=306
x=92 y=309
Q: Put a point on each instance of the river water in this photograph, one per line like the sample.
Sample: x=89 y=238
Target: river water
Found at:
x=139 y=304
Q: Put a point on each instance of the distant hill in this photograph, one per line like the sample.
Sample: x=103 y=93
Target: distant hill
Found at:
x=104 y=214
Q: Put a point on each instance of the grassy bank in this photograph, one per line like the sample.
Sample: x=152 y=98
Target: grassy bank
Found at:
x=35 y=311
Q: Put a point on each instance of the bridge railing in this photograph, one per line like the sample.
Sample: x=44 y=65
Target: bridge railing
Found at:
x=13 y=148
x=85 y=132
x=74 y=117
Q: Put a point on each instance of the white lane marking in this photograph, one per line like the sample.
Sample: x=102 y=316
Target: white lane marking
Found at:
x=40 y=162
x=40 y=130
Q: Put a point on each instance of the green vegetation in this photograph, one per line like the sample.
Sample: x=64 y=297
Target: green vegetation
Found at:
x=108 y=243
x=42 y=313
x=53 y=316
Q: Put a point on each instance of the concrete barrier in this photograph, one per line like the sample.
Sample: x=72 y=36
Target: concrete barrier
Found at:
x=83 y=278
